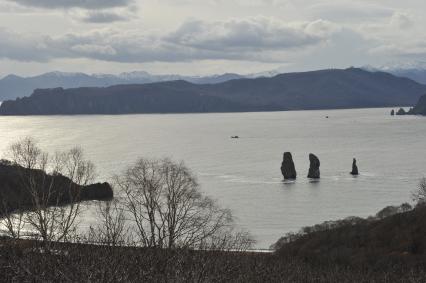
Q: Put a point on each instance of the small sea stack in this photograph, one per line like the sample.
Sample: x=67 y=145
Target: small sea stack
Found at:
x=287 y=167
x=354 y=168
x=401 y=112
x=314 y=167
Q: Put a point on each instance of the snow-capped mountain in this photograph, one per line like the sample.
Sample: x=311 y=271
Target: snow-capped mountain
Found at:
x=415 y=71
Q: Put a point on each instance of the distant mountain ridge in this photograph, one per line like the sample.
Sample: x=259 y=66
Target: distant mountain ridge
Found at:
x=415 y=72
x=13 y=86
x=418 y=75
x=325 y=89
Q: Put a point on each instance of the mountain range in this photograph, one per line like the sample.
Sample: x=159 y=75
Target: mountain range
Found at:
x=324 y=89
x=415 y=72
x=13 y=86
x=418 y=75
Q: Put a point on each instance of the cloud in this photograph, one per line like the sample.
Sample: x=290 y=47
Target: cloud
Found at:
x=93 y=49
x=9 y=7
x=257 y=39
x=65 y=4
x=347 y=11
x=252 y=34
x=22 y=47
x=401 y=20
x=102 y=17
x=414 y=49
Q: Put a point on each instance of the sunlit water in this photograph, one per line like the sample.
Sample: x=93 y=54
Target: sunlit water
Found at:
x=244 y=174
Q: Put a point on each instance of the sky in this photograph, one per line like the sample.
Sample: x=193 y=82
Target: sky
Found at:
x=202 y=37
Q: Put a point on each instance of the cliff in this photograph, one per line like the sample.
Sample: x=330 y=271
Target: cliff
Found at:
x=420 y=108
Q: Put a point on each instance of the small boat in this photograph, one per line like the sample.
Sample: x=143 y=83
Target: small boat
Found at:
x=235 y=137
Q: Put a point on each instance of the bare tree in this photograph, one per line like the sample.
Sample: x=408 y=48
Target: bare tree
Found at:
x=11 y=208
x=419 y=196
x=12 y=221
x=112 y=229
x=53 y=185
x=168 y=209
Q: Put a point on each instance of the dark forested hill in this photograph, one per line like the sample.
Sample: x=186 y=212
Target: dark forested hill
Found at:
x=381 y=240
x=326 y=89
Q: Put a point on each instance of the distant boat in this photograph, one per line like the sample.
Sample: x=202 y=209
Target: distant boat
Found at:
x=235 y=137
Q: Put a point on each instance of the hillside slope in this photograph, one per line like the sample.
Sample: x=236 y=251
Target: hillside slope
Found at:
x=399 y=238
x=350 y=88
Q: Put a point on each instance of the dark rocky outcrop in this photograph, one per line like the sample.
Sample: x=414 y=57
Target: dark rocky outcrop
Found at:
x=393 y=112
x=14 y=191
x=287 y=167
x=324 y=89
x=420 y=108
x=314 y=167
x=354 y=168
x=97 y=191
x=401 y=112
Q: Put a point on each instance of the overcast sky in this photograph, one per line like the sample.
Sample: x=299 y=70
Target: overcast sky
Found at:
x=208 y=36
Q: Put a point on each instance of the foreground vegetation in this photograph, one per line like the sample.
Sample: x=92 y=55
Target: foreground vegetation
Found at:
x=162 y=229
x=23 y=261
x=389 y=247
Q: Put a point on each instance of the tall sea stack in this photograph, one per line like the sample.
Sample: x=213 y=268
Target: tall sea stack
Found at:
x=314 y=171
x=287 y=167
x=354 y=168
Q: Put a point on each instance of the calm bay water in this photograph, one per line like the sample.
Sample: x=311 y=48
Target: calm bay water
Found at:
x=244 y=174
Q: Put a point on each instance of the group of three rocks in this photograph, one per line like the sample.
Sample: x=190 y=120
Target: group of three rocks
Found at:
x=289 y=171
